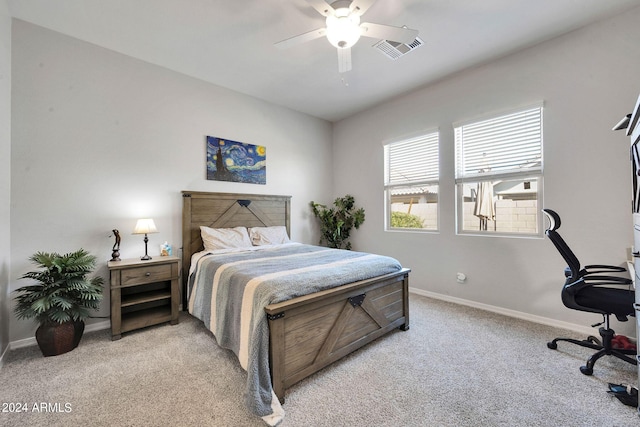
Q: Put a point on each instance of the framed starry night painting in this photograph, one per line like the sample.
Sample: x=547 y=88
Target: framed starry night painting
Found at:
x=235 y=161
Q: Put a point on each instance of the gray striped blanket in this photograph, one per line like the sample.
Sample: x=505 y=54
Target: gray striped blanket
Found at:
x=228 y=292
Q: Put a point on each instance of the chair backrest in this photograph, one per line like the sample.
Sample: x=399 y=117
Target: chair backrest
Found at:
x=570 y=258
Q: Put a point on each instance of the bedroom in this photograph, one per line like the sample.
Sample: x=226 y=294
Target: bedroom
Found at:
x=141 y=134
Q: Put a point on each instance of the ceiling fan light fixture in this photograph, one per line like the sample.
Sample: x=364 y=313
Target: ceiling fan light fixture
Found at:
x=343 y=31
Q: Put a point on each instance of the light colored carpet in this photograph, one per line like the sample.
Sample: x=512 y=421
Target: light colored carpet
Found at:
x=456 y=366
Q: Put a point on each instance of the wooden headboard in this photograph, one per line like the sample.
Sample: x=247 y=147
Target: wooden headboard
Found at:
x=226 y=210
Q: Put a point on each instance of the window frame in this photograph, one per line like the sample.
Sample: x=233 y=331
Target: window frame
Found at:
x=525 y=175
x=389 y=186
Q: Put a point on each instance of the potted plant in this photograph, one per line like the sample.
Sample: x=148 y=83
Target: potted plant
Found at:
x=61 y=300
x=336 y=223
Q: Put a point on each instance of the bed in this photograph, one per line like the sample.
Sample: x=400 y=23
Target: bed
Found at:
x=307 y=332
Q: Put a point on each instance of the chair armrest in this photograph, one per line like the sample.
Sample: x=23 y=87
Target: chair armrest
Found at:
x=585 y=282
x=604 y=268
x=607 y=280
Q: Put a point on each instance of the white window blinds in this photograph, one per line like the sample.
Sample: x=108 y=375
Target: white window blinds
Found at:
x=412 y=160
x=500 y=146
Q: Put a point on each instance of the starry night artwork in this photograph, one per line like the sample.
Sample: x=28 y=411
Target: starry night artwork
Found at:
x=236 y=161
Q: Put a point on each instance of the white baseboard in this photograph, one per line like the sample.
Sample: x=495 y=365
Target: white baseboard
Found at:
x=581 y=329
x=27 y=342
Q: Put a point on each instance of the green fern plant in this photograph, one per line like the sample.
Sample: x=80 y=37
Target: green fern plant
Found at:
x=336 y=223
x=63 y=292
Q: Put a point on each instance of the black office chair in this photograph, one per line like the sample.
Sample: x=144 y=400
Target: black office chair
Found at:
x=590 y=289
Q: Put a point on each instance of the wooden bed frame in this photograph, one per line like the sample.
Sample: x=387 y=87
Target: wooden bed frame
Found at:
x=309 y=332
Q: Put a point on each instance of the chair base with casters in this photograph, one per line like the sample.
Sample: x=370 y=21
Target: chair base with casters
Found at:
x=603 y=346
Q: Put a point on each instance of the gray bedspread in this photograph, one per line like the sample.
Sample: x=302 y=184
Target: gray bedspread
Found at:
x=228 y=292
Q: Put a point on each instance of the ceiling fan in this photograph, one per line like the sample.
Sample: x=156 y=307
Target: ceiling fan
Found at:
x=343 y=29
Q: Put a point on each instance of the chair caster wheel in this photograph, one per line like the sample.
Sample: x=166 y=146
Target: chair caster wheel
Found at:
x=586 y=370
x=552 y=345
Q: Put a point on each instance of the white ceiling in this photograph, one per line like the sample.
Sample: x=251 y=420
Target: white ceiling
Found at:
x=230 y=42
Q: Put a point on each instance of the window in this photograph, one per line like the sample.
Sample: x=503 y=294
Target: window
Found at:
x=499 y=174
x=411 y=183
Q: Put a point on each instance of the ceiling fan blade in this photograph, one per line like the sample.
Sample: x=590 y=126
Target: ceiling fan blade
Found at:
x=344 y=59
x=301 y=38
x=359 y=7
x=387 y=32
x=321 y=6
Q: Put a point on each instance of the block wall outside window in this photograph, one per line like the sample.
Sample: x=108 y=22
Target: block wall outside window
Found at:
x=511 y=217
x=517 y=216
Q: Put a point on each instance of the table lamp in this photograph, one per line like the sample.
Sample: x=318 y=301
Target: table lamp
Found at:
x=145 y=226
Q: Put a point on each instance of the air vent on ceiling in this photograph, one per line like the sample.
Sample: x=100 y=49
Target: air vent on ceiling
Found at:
x=395 y=50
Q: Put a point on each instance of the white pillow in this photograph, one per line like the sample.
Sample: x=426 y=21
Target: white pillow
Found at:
x=224 y=238
x=274 y=235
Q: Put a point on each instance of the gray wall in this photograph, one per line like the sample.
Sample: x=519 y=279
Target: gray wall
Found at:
x=101 y=139
x=5 y=168
x=588 y=80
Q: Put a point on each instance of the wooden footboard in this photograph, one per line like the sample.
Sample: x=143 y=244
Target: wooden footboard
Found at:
x=310 y=332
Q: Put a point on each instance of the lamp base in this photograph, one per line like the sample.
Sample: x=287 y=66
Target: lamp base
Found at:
x=146 y=256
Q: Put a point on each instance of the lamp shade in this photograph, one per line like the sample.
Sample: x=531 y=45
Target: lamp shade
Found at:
x=145 y=226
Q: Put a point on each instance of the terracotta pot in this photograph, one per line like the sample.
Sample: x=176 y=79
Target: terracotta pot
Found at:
x=58 y=338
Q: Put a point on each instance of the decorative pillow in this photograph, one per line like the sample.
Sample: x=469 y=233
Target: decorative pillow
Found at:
x=275 y=235
x=224 y=238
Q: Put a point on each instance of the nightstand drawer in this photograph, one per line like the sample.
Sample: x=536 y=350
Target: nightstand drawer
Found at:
x=146 y=274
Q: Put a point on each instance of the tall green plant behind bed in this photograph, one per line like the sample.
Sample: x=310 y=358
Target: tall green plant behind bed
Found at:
x=336 y=222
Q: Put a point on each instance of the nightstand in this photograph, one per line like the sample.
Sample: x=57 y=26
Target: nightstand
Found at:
x=143 y=293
